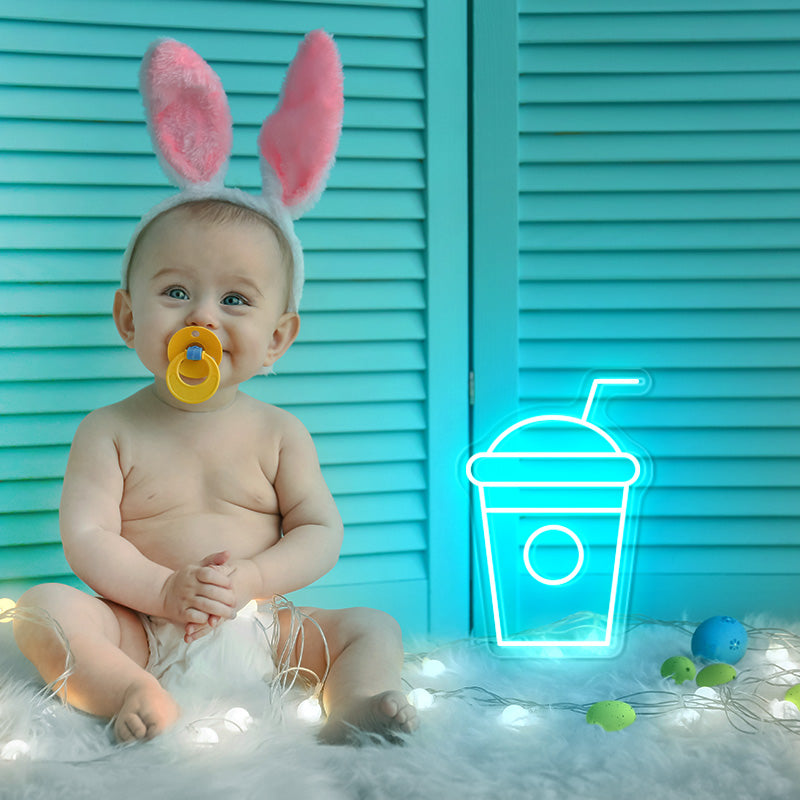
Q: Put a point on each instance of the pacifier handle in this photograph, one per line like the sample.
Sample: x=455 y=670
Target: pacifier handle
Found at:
x=194 y=352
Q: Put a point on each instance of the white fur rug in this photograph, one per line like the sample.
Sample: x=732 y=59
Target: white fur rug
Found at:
x=736 y=744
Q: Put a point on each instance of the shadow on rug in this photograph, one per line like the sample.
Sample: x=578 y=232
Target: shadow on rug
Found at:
x=493 y=728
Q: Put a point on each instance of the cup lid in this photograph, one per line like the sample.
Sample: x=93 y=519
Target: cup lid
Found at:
x=553 y=450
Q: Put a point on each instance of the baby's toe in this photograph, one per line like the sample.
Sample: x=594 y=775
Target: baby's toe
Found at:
x=389 y=705
x=129 y=727
x=407 y=719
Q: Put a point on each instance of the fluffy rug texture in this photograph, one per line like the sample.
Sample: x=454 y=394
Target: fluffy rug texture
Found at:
x=741 y=741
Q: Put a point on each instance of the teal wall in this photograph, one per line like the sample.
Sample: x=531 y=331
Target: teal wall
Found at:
x=645 y=181
x=635 y=190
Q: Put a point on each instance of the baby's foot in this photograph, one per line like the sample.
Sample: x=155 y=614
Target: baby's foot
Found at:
x=147 y=710
x=385 y=714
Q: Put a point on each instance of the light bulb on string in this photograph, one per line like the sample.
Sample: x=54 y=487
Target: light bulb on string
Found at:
x=432 y=668
x=420 y=699
x=783 y=709
x=6 y=604
x=16 y=748
x=515 y=716
x=238 y=719
x=204 y=736
x=310 y=710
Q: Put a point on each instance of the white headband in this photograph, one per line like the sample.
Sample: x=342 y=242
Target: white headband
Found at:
x=190 y=126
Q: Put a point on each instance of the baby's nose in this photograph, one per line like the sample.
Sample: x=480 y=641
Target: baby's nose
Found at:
x=204 y=315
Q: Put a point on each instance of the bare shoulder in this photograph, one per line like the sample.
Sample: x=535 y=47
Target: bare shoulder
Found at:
x=109 y=420
x=277 y=422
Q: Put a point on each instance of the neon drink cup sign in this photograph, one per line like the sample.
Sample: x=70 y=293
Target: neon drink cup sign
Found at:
x=553 y=499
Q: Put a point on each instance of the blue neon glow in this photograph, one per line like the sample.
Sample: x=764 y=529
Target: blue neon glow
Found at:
x=554 y=493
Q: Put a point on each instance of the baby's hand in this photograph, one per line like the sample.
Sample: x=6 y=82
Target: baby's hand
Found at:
x=244 y=580
x=198 y=592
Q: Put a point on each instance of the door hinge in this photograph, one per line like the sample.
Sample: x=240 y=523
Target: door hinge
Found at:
x=471 y=388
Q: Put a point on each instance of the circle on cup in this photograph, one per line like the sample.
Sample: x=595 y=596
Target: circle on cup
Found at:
x=526 y=555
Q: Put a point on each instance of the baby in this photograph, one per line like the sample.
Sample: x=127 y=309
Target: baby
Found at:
x=178 y=514
x=187 y=512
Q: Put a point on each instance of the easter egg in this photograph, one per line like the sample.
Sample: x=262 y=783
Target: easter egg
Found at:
x=611 y=715
x=793 y=695
x=715 y=675
x=720 y=639
x=679 y=668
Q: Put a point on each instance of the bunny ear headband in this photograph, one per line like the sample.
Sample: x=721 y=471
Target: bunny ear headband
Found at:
x=190 y=126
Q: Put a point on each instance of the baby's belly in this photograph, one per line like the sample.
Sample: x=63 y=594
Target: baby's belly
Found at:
x=188 y=539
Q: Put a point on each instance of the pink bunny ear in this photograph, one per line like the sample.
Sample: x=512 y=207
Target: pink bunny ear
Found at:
x=187 y=114
x=298 y=140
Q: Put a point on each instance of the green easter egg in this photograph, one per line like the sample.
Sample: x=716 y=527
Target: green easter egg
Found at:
x=611 y=715
x=793 y=695
x=678 y=667
x=715 y=675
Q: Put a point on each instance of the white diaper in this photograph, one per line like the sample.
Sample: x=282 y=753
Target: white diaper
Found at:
x=234 y=658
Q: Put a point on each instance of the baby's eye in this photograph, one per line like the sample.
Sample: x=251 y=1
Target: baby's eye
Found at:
x=177 y=293
x=234 y=300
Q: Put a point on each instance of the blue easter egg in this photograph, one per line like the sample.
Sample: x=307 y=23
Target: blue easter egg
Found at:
x=720 y=639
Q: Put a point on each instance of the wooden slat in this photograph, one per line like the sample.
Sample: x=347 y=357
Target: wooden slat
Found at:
x=667 y=57
x=49 y=37
x=773 y=204
x=99 y=331
x=100 y=202
x=25 y=232
x=45 y=397
x=100 y=169
x=120 y=138
x=707 y=27
x=96 y=299
x=238 y=15
x=42 y=266
x=651 y=6
x=108 y=74
x=676 y=146
x=678 y=295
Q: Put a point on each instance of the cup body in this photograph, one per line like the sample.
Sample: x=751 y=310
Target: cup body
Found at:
x=553 y=529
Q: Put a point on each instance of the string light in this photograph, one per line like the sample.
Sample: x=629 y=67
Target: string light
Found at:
x=515 y=716
x=204 y=735
x=310 y=710
x=6 y=604
x=287 y=675
x=744 y=702
x=432 y=668
x=421 y=699
x=16 y=748
x=784 y=709
x=238 y=720
x=741 y=701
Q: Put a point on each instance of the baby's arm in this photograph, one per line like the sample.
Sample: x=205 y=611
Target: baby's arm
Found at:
x=91 y=527
x=312 y=527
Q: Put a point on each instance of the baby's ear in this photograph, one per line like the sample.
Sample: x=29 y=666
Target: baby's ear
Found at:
x=283 y=336
x=187 y=114
x=123 y=316
x=298 y=140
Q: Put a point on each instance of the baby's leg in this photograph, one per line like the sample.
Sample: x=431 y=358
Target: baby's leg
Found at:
x=363 y=690
x=110 y=649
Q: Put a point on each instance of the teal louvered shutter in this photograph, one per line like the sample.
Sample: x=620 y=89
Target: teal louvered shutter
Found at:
x=382 y=341
x=644 y=183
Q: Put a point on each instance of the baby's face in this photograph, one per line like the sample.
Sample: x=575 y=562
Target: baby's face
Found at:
x=227 y=277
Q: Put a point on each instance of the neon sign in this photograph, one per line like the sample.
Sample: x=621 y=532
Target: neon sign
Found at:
x=554 y=494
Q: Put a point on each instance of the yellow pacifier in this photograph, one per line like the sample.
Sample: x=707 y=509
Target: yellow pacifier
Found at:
x=193 y=353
